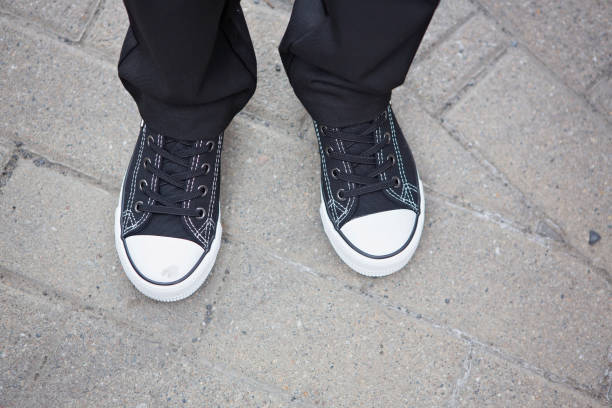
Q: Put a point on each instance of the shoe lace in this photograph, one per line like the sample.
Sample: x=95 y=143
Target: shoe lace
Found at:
x=173 y=171
x=361 y=153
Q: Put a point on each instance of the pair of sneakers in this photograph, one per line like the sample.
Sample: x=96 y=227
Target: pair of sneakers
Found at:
x=168 y=220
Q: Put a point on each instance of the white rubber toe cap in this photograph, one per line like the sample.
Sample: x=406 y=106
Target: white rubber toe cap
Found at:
x=162 y=259
x=382 y=233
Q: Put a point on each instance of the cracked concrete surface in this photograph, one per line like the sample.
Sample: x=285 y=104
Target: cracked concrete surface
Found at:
x=504 y=304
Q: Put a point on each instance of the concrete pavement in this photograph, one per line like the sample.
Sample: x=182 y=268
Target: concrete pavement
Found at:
x=508 y=109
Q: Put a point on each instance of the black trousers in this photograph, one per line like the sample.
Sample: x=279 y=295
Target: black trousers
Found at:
x=190 y=64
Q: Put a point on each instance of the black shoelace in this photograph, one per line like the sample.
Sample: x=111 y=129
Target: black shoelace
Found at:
x=367 y=181
x=179 y=155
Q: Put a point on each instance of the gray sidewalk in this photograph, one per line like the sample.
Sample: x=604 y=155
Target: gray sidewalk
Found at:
x=508 y=108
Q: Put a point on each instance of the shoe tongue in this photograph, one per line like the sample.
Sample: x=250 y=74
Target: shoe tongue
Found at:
x=164 y=224
x=358 y=128
x=358 y=147
x=177 y=148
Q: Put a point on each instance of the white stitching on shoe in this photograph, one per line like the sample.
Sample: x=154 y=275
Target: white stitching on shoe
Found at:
x=145 y=216
x=195 y=163
x=406 y=196
x=190 y=183
x=202 y=233
x=214 y=187
x=332 y=204
x=207 y=225
x=348 y=170
x=127 y=213
x=128 y=210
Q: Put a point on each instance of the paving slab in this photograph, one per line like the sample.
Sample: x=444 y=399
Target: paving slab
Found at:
x=455 y=62
x=4 y=154
x=448 y=15
x=81 y=359
x=601 y=96
x=572 y=37
x=314 y=338
x=281 y=320
x=26 y=338
x=257 y=315
x=546 y=308
x=66 y=18
x=450 y=170
x=65 y=104
x=493 y=382
x=548 y=143
x=69 y=239
x=504 y=287
x=273 y=101
x=272 y=189
x=108 y=29
x=506 y=290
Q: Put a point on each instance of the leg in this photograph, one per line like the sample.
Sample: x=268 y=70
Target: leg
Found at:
x=343 y=57
x=188 y=64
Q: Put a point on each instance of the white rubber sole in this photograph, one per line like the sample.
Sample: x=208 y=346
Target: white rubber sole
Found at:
x=372 y=266
x=167 y=293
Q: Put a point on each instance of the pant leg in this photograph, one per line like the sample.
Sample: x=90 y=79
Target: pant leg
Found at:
x=344 y=57
x=188 y=64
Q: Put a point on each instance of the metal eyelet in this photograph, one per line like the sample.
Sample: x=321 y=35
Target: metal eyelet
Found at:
x=138 y=206
x=324 y=128
x=396 y=182
x=201 y=213
x=210 y=145
x=206 y=168
x=340 y=195
x=203 y=189
x=142 y=184
x=150 y=140
x=335 y=173
x=329 y=150
x=146 y=162
x=392 y=158
x=388 y=137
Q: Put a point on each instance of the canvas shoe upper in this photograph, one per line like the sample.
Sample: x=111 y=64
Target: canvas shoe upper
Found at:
x=372 y=199
x=167 y=228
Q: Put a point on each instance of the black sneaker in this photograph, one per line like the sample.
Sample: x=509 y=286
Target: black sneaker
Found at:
x=372 y=204
x=167 y=224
